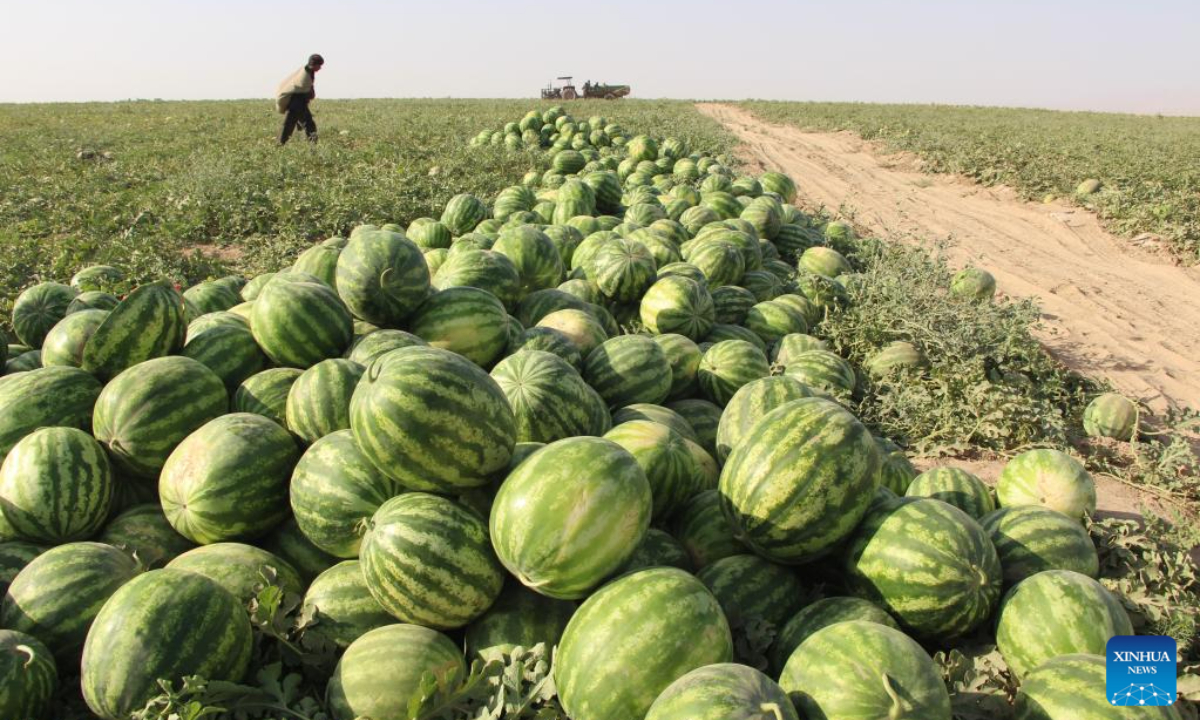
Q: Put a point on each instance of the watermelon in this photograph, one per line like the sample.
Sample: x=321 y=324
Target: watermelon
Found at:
x=24 y=362
x=288 y=542
x=534 y=256
x=299 y=322
x=750 y=588
x=727 y=366
x=861 y=669
x=896 y=357
x=335 y=490
x=684 y=357
x=266 y=393
x=164 y=624
x=772 y=320
x=374 y=344
x=549 y=398
x=676 y=304
x=518 y=618
x=47 y=397
x=813 y=315
x=821 y=614
x=467 y=321
x=749 y=404
x=570 y=515
x=38 y=309
x=955 y=486
x=581 y=326
x=1109 y=415
x=658 y=549
x=463 y=213
x=1066 y=688
x=149 y=323
x=704 y=531
x=210 y=297
x=14 y=556
x=143 y=530
x=482 y=269
x=824 y=261
x=629 y=369
x=623 y=270
x=255 y=285
x=662 y=621
x=548 y=340
x=383 y=671
x=907 y=550
x=703 y=416
x=56 y=486
x=765 y=286
x=666 y=460
x=223 y=343
x=764 y=214
x=432 y=420
x=826 y=293
x=1050 y=478
x=321 y=262
x=382 y=277
x=341 y=605
x=427 y=560
x=1053 y=613
x=58 y=594
x=839 y=231
x=800 y=480
x=682 y=269
x=780 y=184
x=229 y=479
x=823 y=370
x=97 y=277
x=240 y=569
x=1030 y=539
x=658 y=414
x=318 y=403
x=429 y=234
x=28 y=676
x=65 y=342
x=146 y=411
x=721 y=262
x=723 y=691
x=973 y=284
x=897 y=472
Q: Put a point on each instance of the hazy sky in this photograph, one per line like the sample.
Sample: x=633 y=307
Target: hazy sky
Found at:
x=1100 y=54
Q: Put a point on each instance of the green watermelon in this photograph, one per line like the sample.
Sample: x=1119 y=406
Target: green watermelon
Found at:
x=750 y=588
x=318 y=402
x=825 y=261
x=661 y=621
x=823 y=370
x=146 y=411
x=46 y=397
x=955 y=486
x=821 y=614
x=58 y=594
x=429 y=234
x=229 y=479
x=684 y=357
x=780 y=184
x=1067 y=688
x=65 y=342
x=629 y=369
x=518 y=618
x=570 y=515
x=223 y=343
x=149 y=323
x=973 y=284
x=38 y=309
x=623 y=270
x=56 y=486
x=658 y=549
x=334 y=490
x=14 y=556
x=266 y=393
x=144 y=530
x=240 y=569
x=895 y=357
x=367 y=348
x=704 y=531
x=289 y=543
x=1109 y=415
x=549 y=398
x=534 y=255
x=580 y=326
x=897 y=472
x=813 y=315
x=383 y=671
x=1050 y=478
x=341 y=605
x=468 y=321
x=860 y=670
x=666 y=460
x=548 y=340
x=210 y=297
x=432 y=420
x=727 y=366
x=164 y=624
x=731 y=303
x=1053 y=613
x=749 y=404
x=723 y=691
x=255 y=285
x=463 y=213
x=299 y=323
x=772 y=320
x=1030 y=539
x=382 y=277
x=677 y=304
x=704 y=417
x=24 y=362
x=97 y=277
x=658 y=414
x=721 y=262
x=320 y=261
x=28 y=676
x=427 y=560
x=482 y=269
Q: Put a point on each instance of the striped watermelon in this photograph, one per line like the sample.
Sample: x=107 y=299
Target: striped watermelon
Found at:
x=695 y=218
x=223 y=343
x=973 y=284
x=428 y=233
x=813 y=315
x=146 y=411
x=825 y=261
x=1053 y=613
x=780 y=184
x=149 y=323
x=1109 y=415
x=548 y=340
x=229 y=479
x=144 y=530
x=895 y=357
x=28 y=676
x=721 y=262
x=266 y=393
x=289 y=543
x=749 y=404
x=65 y=342
x=826 y=293
x=661 y=621
x=382 y=277
x=97 y=277
x=861 y=669
x=623 y=270
x=909 y=550
x=483 y=269
x=1030 y=539
x=723 y=691
x=56 y=486
x=1050 y=478
x=658 y=549
x=823 y=370
x=463 y=213
x=46 y=397
x=658 y=414
x=629 y=369
x=731 y=303
x=897 y=472
x=467 y=321
x=518 y=618
x=821 y=614
x=22 y=361
x=427 y=560
x=772 y=320
x=704 y=417
x=240 y=569
x=682 y=269
x=255 y=285
x=379 y=342
x=765 y=214
x=704 y=531
x=470 y=436
x=383 y=672
x=14 y=556
x=570 y=515
x=534 y=256
x=1068 y=688
x=676 y=304
x=164 y=624
x=765 y=287
x=318 y=403
x=335 y=490
x=210 y=297
x=684 y=357
x=955 y=486
x=541 y=304
x=38 y=309
x=750 y=588
x=320 y=261
x=549 y=398
x=800 y=480
x=342 y=606
x=664 y=457
x=299 y=323
x=727 y=366
x=58 y=594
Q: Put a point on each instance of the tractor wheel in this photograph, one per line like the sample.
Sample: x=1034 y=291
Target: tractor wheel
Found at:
x=610 y=96
x=569 y=95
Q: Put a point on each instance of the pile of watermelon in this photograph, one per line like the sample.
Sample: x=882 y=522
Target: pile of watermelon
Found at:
x=594 y=411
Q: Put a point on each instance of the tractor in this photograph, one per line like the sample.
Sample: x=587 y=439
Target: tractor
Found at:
x=567 y=91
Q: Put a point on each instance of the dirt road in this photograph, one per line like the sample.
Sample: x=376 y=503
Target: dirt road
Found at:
x=1109 y=309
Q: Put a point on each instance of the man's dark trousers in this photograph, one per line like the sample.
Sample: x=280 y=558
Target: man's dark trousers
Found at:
x=298 y=114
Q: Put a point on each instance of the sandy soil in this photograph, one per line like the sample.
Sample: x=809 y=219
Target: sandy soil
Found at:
x=1109 y=309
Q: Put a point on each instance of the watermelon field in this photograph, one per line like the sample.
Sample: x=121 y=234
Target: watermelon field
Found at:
x=503 y=409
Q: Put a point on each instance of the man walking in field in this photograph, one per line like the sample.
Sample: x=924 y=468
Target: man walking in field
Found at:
x=293 y=97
